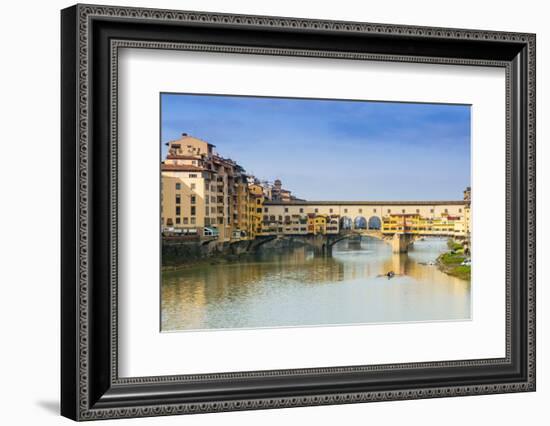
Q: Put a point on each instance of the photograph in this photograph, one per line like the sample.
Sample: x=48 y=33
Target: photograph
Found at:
x=264 y=209
x=297 y=212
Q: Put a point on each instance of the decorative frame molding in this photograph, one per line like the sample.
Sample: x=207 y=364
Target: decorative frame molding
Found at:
x=91 y=388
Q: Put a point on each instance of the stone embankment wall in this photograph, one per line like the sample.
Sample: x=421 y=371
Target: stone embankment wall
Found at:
x=176 y=253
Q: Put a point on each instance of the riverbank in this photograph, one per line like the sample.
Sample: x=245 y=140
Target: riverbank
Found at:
x=452 y=262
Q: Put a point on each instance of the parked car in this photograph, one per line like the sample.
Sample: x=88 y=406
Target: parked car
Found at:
x=466 y=262
x=210 y=232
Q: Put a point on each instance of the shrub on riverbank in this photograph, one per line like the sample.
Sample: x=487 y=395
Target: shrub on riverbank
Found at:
x=451 y=259
x=451 y=262
x=461 y=271
x=453 y=245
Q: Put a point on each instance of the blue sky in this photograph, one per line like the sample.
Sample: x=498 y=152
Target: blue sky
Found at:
x=333 y=150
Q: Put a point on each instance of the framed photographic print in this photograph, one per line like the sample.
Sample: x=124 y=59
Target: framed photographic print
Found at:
x=263 y=212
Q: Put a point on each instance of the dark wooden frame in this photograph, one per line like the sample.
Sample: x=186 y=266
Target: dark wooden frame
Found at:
x=90 y=386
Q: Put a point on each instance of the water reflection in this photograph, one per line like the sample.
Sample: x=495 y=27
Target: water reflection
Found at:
x=294 y=288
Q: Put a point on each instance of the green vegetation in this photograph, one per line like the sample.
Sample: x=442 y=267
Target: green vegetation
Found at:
x=451 y=261
x=462 y=272
x=453 y=245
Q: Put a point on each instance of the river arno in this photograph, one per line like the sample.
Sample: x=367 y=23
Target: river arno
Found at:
x=294 y=288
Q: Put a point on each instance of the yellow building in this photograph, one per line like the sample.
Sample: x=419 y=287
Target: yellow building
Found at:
x=411 y=223
x=255 y=208
x=310 y=223
x=242 y=217
x=320 y=225
x=444 y=224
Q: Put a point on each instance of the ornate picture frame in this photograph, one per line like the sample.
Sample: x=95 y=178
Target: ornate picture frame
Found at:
x=91 y=38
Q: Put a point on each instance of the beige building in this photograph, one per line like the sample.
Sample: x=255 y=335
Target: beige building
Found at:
x=202 y=191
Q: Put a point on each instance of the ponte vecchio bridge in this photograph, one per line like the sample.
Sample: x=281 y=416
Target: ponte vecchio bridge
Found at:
x=321 y=224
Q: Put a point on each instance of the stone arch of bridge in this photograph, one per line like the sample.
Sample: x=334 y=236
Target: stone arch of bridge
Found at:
x=346 y=223
x=375 y=223
x=360 y=222
x=354 y=233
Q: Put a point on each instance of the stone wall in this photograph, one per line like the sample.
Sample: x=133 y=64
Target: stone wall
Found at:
x=179 y=253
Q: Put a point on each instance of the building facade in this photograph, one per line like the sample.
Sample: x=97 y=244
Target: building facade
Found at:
x=205 y=194
x=420 y=217
x=203 y=191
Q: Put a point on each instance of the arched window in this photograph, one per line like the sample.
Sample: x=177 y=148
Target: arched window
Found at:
x=360 y=223
x=375 y=222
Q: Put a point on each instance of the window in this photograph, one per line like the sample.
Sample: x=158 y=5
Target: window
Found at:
x=301 y=210
x=446 y=210
x=389 y=210
x=403 y=211
x=193 y=186
x=178 y=199
x=193 y=221
x=316 y=210
x=345 y=210
x=330 y=210
x=192 y=175
x=178 y=210
x=266 y=209
x=185 y=221
x=374 y=210
x=460 y=210
x=418 y=210
x=178 y=185
x=193 y=210
x=431 y=210
x=258 y=201
x=178 y=220
x=286 y=209
x=360 y=211
x=193 y=199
